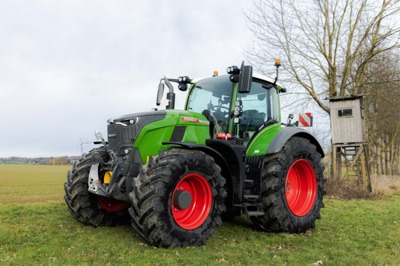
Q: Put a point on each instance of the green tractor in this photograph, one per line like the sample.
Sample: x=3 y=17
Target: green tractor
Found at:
x=176 y=174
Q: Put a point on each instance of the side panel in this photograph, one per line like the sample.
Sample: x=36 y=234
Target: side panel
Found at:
x=181 y=126
x=260 y=143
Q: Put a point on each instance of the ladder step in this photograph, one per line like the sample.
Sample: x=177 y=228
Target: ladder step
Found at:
x=251 y=197
x=255 y=213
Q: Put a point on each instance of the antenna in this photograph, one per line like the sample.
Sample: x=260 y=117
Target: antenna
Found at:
x=277 y=65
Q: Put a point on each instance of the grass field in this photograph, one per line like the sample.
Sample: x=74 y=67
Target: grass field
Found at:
x=37 y=229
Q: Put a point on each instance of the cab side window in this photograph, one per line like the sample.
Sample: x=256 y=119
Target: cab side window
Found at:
x=258 y=108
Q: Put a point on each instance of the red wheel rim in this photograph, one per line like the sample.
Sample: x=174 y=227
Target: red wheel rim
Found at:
x=300 y=187
x=193 y=215
x=112 y=205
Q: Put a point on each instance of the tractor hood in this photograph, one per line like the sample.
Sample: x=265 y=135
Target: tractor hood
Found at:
x=135 y=117
x=147 y=131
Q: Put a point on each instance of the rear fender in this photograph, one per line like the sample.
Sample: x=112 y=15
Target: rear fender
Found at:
x=286 y=133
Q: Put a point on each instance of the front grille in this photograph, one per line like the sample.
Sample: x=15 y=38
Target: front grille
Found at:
x=123 y=131
x=121 y=136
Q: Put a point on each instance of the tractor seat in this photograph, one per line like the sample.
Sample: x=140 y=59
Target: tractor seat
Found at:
x=251 y=120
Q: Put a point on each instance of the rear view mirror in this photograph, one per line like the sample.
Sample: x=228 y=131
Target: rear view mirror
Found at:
x=160 y=93
x=245 y=78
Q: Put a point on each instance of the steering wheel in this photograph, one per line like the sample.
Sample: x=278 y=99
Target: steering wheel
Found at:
x=215 y=107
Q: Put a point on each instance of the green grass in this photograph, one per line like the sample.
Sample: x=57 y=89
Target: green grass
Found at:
x=32 y=183
x=36 y=228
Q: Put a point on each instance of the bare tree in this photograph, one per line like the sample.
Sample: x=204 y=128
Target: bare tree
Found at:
x=382 y=111
x=328 y=45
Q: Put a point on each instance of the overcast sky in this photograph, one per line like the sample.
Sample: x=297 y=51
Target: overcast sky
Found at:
x=68 y=66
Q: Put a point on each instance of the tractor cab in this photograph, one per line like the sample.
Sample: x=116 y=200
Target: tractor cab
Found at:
x=233 y=113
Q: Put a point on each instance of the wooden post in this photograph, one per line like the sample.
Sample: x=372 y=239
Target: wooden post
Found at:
x=363 y=172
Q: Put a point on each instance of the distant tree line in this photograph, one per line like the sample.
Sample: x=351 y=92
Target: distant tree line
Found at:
x=64 y=160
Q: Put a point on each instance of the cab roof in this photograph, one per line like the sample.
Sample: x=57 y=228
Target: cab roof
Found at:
x=256 y=76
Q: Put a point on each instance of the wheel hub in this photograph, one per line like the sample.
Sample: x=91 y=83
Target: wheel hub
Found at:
x=191 y=201
x=182 y=199
x=112 y=205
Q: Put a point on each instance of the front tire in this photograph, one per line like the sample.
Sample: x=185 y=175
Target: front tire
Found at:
x=88 y=208
x=178 y=200
x=292 y=188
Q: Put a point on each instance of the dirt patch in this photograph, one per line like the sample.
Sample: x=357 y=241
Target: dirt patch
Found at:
x=381 y=185
x=347 y=190
x=385 y=184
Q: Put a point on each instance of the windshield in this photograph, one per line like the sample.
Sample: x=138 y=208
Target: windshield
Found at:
x=213 y=94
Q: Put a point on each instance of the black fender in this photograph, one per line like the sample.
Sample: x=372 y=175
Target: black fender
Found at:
x=218 y=157
x=288 y=132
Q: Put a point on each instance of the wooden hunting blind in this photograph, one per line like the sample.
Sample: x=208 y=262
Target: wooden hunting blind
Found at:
x=349 y=140
x=347 y=120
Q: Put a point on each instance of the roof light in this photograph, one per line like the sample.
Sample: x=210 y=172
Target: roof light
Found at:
x=233 y=70
x=277 y=62
x=234 y=78
x=215 y=73
x=184 y=79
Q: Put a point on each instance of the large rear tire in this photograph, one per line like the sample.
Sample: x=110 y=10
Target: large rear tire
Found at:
x=292 y=188
x=88 y=208
x=178 y=200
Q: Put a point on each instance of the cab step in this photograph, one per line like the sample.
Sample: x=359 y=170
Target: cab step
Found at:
x=255 y=213
x=251 y=198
